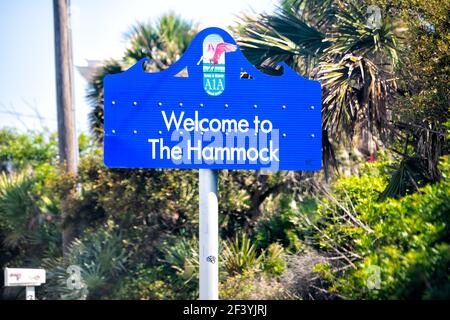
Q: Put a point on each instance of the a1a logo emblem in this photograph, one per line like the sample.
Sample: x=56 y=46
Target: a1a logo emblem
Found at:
x=214 y=49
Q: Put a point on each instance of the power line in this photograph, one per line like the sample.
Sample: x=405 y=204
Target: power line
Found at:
x=40 y=118
x=26 y=115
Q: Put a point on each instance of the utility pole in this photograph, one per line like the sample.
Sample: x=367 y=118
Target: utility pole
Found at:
x=67 y=137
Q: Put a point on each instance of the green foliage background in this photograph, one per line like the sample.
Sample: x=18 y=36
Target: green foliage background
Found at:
x=374 y=224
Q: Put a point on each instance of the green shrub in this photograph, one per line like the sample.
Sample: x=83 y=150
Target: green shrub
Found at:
x=24 y=151
x=143 y=284
x=398 y=248
x=100 y=256
x=28 y=219
x=16 y=207
x=174 y=275
x=148 y=205
x=239 y=256
x=282 y=226
x=179 y=266
x=273 y=261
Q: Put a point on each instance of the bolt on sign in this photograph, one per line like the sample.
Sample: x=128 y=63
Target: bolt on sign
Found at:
x=212 y=109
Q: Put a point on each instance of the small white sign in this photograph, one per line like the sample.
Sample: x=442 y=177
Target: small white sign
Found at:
x=24 y=277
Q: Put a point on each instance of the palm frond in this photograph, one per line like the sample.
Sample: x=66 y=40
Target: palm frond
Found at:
x=283 y=36
x=354 y=35
x=163 y=42
x=405 y=179
x=319 y=13
x=16 y=206
x=95 y=96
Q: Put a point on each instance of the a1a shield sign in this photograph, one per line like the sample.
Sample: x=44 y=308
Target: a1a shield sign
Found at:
x=212 y=109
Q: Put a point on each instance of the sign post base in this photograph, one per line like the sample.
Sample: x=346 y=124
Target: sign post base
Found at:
x=29 y=293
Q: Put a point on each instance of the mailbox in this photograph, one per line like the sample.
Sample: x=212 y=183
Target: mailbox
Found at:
x=24 y=277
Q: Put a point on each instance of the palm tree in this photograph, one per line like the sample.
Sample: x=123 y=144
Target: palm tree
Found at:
x=331 y=41
x=163 y=42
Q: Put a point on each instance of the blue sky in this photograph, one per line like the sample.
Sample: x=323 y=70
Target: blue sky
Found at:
x=27 y=85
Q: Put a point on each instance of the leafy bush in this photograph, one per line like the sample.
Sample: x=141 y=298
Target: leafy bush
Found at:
x=148 y=205
x=16 y=207
x=28 y=219
x=22 y=151
x=143 y=284
x=174 y=275
x=240 y=256
x=273 y=259
x=283 y=225
x=100 y=256
x=180 y=267
x=398 y=248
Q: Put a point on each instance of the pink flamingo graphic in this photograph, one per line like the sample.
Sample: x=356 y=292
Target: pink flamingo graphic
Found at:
x=213 y=54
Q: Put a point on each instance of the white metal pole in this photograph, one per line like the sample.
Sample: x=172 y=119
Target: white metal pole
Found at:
x=208 y=235
x=29 y=293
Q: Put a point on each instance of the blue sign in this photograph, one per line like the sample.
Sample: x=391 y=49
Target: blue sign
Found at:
x=212 y=109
